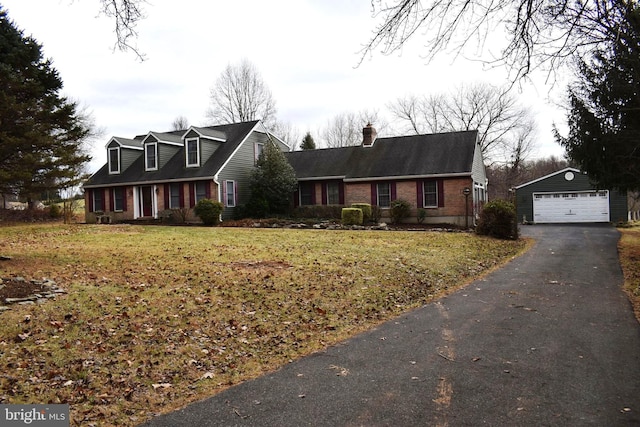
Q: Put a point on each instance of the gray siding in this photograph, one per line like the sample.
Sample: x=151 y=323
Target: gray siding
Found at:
x=166 y=152
x=127 y=157
x=558 y=183
x=207 y=148
x=239 y=169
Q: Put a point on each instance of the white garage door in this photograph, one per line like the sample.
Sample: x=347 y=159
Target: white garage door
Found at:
x=592 y=206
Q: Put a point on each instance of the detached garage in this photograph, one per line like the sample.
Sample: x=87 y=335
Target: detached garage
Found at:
x=568 y=196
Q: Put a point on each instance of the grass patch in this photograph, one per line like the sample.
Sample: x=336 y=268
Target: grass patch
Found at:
x=157 y=317
x=629 y=250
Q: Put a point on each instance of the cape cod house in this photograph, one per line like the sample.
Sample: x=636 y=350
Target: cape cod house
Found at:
x=442 y=174
x=149 y=175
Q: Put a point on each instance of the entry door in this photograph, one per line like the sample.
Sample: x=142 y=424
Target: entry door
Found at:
x=146 y=200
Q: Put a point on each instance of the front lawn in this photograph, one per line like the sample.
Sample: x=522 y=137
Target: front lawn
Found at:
x=629 y=249
x=157 y=317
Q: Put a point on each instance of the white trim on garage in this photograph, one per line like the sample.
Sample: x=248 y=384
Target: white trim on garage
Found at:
x=571 y=206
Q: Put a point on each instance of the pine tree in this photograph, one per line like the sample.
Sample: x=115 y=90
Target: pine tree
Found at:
x=308 y=143
x=273 y=182
x=40 y=131
x=604 y=119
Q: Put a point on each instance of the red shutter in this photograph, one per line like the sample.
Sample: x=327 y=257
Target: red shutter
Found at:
x=207 y=189
x=167 y=189
x=341 y=192
x=111 y=197
x=90 y=197
x=440 y=193
x=420 y=194
x=324 y=192
x=104 y=197
x=374 y=194
x=124 y=198
x=181 y=195
x=192 y=194
x=393 y=191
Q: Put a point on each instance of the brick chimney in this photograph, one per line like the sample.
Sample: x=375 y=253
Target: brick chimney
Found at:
x=369 y=135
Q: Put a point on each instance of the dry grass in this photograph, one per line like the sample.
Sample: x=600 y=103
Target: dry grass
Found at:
x=157 y=317
x=629 y=249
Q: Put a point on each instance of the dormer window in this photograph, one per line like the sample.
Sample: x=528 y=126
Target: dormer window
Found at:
x=114 y=160
x=193 y=152
x=151 y=156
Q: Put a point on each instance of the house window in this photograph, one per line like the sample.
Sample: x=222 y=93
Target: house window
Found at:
x=306 y=193
x=118 y=199
x=333 y=193
x=230 y=194
x=201 y=190
x=384 y=194
x=258 y=149
x=193 y=152
x=430 y=194
x=174 y=195
x=98 y=201
x=114 y=160
x=151 y=156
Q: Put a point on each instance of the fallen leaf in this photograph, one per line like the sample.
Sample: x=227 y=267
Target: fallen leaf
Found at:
x=161 y=385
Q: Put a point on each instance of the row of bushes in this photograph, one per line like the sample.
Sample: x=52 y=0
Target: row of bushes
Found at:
x=498 y=217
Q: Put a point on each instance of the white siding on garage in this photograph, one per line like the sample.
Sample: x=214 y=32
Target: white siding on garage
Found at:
x=586 y=206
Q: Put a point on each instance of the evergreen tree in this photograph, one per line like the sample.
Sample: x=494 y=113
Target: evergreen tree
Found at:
x=604 y=119
x=308 y=143
x=40 y=131
x=273 y=181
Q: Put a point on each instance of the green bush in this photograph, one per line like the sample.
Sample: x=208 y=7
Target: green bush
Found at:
x=376 y=214
x=400 y=209
x=366 y=211
x=318 y=212
x=422 y=215
x=498 y=219
x=208 y=211
x=55 y=211
x=351 y=216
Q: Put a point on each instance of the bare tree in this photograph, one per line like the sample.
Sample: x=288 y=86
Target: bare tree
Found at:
x=536 y=32
x=345 y=129
x=180 y=123
x=286 y=132
x=126 y=15
x=240 y=95
x=505 y=128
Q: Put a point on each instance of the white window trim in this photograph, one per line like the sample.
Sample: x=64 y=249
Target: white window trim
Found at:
x=256 y=151
x=113 y=194
x=424 y=198
x=327 y=185
x=117 y=150
x=186 y=152
x=233 y=194
x=378 y=194
x=146 y=147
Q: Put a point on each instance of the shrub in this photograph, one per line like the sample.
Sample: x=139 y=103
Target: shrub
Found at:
x=208 y=211
x=55 y=211
x=351 y=216
x=422 y=215
x=318 y=212
x=366 y=211
x=498 y=219
x=376 y=214
x=399 y=210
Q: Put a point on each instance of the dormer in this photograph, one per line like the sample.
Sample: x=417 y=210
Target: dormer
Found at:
x=159 y=148
x=200 y=144
x=121 y=153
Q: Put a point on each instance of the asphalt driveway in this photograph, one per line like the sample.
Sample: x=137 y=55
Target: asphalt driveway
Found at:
x=548 y=340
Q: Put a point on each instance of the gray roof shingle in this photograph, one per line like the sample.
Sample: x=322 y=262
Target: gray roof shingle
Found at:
x=175 y=168
x=405 y=156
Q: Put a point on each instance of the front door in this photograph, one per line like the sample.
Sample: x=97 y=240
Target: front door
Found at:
x=146 y=199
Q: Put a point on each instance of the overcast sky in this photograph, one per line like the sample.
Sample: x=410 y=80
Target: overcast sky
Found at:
x=306 y=51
